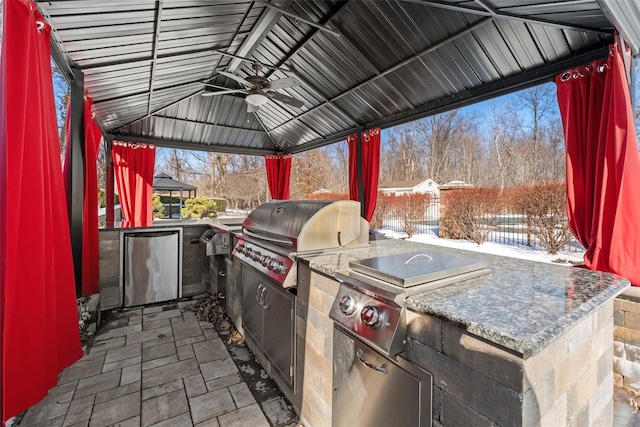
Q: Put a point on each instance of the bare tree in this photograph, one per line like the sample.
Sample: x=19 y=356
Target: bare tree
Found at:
x=452 y=143
x=535 y=107
x=403 y=154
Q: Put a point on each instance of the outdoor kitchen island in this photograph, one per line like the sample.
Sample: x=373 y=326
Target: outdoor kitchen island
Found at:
x=526 y=344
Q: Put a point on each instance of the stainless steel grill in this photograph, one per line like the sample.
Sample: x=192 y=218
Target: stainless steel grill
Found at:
x=276 y=231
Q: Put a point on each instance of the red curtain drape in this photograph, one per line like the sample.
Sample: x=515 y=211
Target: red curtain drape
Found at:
x=39 y=334
x=92 y=137
x=370 y=141
x=603 y=166
x=133 y=165
x=278 y=174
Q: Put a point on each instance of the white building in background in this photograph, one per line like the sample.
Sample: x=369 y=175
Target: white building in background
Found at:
x=407 y=187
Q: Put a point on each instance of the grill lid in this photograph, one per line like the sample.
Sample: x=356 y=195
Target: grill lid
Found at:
x=307 y=225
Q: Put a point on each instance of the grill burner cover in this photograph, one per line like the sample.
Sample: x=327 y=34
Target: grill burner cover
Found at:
x=415 y=268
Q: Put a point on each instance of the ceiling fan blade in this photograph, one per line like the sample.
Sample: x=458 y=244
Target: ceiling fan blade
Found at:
x=216 y=86
x=284 y=83
x=222 y=92
x=236 y=78
x=285 y=98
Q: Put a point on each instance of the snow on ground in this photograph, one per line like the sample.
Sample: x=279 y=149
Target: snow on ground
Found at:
x=515 y=251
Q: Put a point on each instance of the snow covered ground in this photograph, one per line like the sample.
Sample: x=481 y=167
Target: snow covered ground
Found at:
x=515 y=251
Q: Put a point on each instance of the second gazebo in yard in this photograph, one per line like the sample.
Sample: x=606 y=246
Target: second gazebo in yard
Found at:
x=163 y=183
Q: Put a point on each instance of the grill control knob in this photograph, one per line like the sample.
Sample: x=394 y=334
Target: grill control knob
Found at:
x=370 y=316
x=248 y=252
x=347 y=305
x=256 y=255
x=241 y=249
x=279 y=267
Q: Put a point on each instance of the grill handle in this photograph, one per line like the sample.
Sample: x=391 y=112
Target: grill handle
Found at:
x=410 y=260
x=370 y=365
x=259 y=288
x=269 y=239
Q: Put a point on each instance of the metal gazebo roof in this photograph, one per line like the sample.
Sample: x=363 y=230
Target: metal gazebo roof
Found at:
x=164 y=182
x=362 y=64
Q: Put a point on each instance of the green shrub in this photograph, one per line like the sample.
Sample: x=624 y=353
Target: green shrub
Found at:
x=221 y=204
x=102 y=198
x=158 y=207
x=200 y=207
x=174 y=200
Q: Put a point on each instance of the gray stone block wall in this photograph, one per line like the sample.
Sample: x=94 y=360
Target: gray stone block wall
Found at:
x=196 y=273
x=109 y=269
x=234 y=293
x=569 y=383
x=626 y=346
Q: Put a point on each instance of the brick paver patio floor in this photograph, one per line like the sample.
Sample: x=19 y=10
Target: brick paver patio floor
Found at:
x=155 y=366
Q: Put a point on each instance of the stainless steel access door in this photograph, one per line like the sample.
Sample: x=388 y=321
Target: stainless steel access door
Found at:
x=152 y=266
x=370 y=389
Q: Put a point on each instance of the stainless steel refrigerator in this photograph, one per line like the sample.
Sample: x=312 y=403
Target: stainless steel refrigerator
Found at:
x=152 y=266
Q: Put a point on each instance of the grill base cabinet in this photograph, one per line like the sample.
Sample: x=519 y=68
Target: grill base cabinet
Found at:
x=268 y=321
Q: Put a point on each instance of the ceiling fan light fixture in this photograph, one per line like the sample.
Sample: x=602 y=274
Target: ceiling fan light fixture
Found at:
x=256 y=99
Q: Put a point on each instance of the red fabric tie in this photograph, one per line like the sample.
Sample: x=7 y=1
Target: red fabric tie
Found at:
x=38 y=314
x=603 y=166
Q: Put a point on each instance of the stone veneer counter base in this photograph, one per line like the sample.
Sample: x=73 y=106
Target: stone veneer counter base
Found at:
x=529 y=344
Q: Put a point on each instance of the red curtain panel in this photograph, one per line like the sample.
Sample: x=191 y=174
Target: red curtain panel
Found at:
x=352 y=144
x=133 y=169
x=278 y=176
x=603 y=166
x=90 y=242
x=40 y=335
x=370 y=141
x=92 y=137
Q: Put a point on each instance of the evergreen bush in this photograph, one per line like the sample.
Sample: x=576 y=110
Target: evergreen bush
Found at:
x=199 y=207
x=102 y=198
x=157 y=206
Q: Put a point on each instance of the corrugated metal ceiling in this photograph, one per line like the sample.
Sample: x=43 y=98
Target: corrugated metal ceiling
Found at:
x=145 y=61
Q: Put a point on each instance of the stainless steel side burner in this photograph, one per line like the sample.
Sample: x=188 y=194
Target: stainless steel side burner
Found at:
x=371 y=300
x=416 y=268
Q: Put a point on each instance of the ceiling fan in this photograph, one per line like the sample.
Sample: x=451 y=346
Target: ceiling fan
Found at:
x=259 y=89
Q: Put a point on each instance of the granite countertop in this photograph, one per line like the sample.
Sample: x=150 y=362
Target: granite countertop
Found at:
x=521 y=305
x=158 y=223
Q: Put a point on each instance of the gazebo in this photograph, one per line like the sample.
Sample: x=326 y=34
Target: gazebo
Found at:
x=166 y=184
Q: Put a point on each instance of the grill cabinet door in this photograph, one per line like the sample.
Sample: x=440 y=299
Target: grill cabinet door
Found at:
x=278 y=329
x=364 y=397
x=251 y=309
